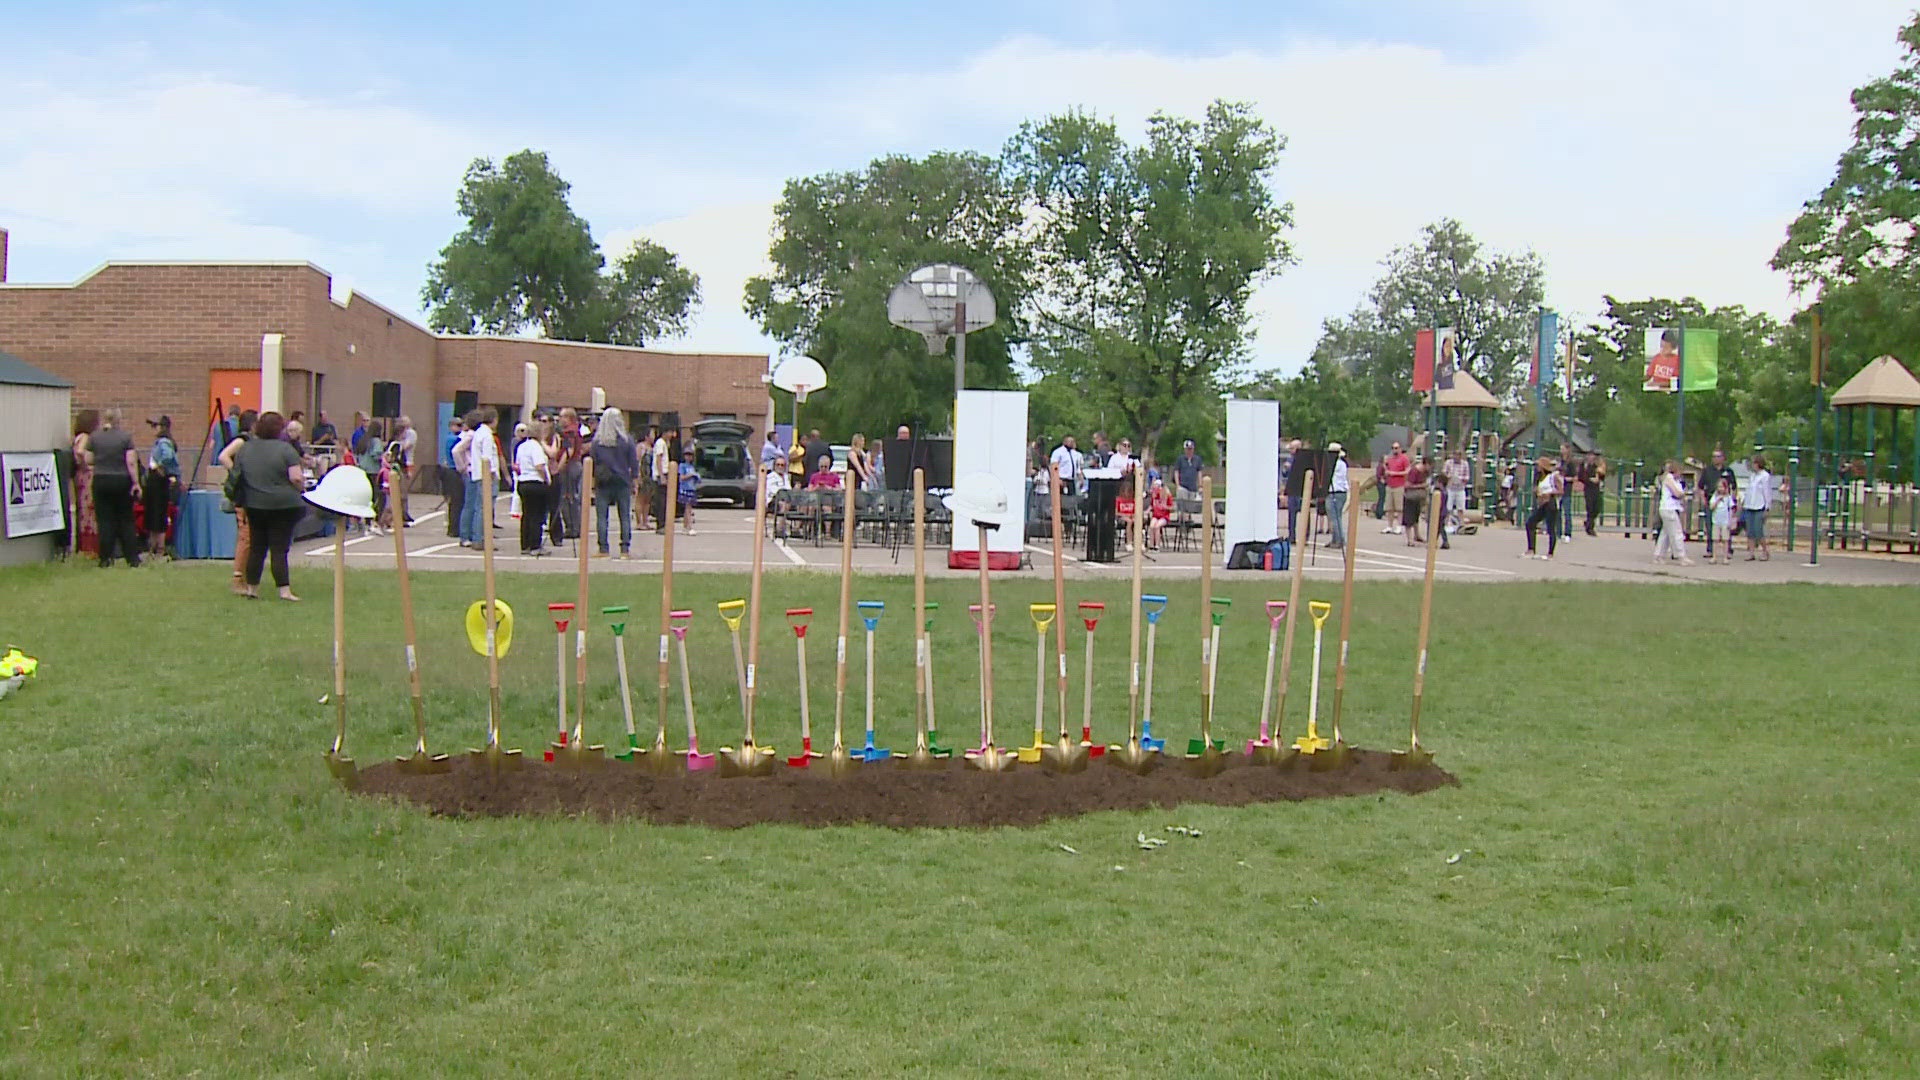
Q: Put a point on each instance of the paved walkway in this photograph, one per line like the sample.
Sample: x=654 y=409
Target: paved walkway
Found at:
x=723 y=542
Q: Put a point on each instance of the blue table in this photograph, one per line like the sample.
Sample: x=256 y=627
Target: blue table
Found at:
x=203 y=532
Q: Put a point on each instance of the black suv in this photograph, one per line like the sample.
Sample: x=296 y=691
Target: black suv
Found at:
x=723 y=462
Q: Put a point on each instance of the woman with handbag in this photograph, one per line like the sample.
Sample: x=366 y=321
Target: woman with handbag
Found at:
x=1546 y=506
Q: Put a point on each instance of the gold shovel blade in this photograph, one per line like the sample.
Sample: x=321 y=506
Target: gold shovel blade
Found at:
x=1337 y=755
x=576 y=756
x=991 y=759
x=343 y=770
x=495 y=760
x=1064 y=757
x=1406 y=760
x=841 y=764
x=1208 y=762
x=919 y=758
x=1133 y=757
x=423 y=764
x=747 y=760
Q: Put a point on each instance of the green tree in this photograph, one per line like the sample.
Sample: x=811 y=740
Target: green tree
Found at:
x=1447 y=278
x=1755 y=353
x=526 y=260
x=1324 y=403
x=1855 y=244
x=842 y=240
x=1147 y=257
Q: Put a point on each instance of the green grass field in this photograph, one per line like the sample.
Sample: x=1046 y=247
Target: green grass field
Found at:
x=1686 y=826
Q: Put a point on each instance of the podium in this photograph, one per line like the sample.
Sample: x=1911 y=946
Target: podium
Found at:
x=1101 y=520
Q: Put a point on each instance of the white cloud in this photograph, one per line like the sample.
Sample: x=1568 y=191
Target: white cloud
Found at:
x=1640 y=148
x=725 y=245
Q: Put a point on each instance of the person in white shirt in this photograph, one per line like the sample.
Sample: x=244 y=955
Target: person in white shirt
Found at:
x=1457 y=472
x=533 y=481
x=1755 y=501
x=665 y=481
x=479 y=459
x=1067 y=459
x=1672 y=542
x=1337 y=491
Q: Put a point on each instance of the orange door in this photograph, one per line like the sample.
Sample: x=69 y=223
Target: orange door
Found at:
x=235 y=387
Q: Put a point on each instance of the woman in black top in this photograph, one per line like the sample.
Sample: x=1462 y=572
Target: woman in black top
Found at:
x=116 y=484
x=274 y=480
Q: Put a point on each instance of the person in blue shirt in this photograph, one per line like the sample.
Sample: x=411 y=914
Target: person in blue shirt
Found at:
x=452 y=483
x=689 y=489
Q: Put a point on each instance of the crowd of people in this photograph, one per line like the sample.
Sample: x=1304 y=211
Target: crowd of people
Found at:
x=543 y=467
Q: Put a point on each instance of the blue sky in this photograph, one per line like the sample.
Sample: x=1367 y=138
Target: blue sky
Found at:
x=1641 y=148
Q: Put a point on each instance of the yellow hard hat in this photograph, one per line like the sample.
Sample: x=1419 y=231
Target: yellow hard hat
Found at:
x=477 y=626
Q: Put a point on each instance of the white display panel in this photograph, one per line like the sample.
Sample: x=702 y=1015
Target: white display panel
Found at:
x=1253 y=472
x=990 y=436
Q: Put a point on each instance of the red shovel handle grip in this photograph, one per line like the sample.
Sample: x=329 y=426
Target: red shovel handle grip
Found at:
x=1096 y=608
x=797 y=617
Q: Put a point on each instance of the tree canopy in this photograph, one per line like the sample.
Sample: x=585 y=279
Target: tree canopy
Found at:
x=1446 y=278
x=525 y=260
x=1854 y=244
x=1146 y=257
x=842 y=240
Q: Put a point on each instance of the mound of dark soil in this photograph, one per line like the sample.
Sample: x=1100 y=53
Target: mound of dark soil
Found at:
x=880 y=794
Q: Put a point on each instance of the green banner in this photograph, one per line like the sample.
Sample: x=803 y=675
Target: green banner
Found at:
x=1701 y=351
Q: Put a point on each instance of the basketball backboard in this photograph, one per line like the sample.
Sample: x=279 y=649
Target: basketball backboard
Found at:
x=940 y=301
x=800 y=376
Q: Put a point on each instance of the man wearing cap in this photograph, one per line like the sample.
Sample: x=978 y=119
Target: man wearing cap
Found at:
x=1186 y=471
x=1337 y=490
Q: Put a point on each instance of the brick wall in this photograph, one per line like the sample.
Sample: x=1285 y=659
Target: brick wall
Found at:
x=144 y=337
x=636 y=380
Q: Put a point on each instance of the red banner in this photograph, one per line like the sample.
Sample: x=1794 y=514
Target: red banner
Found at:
x=1422 y=361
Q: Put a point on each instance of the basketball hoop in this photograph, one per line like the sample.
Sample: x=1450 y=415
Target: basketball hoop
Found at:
x=942 y=301
x=800 y=376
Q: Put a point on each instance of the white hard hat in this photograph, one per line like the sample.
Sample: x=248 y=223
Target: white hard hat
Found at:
x=979 y=496
x=344 y=490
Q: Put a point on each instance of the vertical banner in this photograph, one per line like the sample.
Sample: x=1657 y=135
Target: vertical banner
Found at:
x=1253 y=484
x=1422 y=361
x=1446 y=357
x=1546 y=340
x=1818 y=358
x=991 y=437
x=1702 y=350
x=1663 y=360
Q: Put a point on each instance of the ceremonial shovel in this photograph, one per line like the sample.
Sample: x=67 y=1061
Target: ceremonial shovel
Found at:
x=494 y=758
x=1042 y=616
x=840 y=762
x=421 y=762
x=923 y=755
x=1416 y=756
x=696 y=761
x=1338 y=755
x=1135 y=756
x=797 y=618
x=1264 y=750
x=561 y=615
x=750 y=759
x=576 y=754
x=1064 y=756
x=1311 y=743
x=632 y=753
x=870 y=612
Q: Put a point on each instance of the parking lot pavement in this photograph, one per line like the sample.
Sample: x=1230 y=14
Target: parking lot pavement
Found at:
x=723 y=541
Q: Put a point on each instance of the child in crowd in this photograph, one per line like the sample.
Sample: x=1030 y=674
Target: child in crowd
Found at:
x=1124 y=509
x=1725 y=506
x=689 y=489
x=1160 y=507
